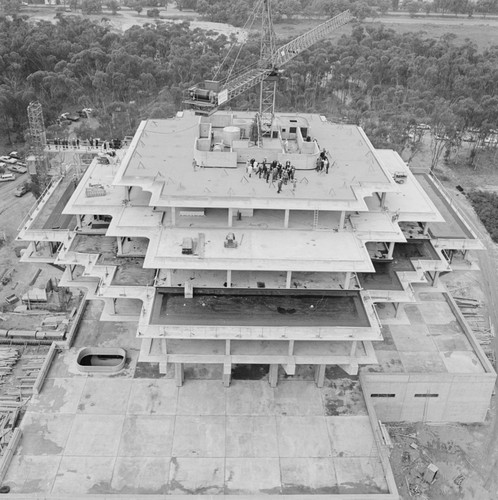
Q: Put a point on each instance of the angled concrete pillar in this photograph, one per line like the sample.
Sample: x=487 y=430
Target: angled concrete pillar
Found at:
x=436 y=277
x=351 y=368
x=229 y=278
x=179 y=374
x=79 y=221
x=230 y=217
x=390 y=250
x=173 y=216
x=347 y=280
x=113 y=302
x=320 y=375
x=273 y=375
x=341 y=220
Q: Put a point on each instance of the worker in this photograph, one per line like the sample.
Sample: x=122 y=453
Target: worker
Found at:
x=280 y=182
x=249 y=168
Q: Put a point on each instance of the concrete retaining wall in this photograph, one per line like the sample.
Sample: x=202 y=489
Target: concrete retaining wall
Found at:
x=442 y=397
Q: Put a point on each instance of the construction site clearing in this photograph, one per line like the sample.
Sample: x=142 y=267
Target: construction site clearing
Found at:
x=281 y=354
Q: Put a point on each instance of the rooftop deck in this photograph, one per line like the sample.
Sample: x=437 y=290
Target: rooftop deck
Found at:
x=259 y=307
x=354 y=166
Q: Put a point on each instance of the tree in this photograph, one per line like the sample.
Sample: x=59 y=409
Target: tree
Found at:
x=444 y=130
x=113 y=6
x=138 y=8
x=91 y=6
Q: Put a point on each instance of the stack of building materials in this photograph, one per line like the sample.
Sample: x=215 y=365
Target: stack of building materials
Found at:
x=8 y=358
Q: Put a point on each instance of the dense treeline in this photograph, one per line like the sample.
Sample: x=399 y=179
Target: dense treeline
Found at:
x=384 y=81
x=236 y=12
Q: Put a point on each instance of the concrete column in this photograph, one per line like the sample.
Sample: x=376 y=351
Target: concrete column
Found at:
x=286 y=218
x=347 y=280
x=320 y=375
x=163 y=365
x=382 y=199
x=229 y=278
x=273 y=375
x=113 y=302
x=168 y=277
x=288 y=280
x=425 y=226
x=227 y=374
x=79 y=220
x=173 y=216
x=341 y=220
x=71 y=268
x=120 y=244
x=179 y=374
x=390 y=250
x=230 y=217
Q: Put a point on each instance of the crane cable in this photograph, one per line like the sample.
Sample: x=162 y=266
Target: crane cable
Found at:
x=247 y=26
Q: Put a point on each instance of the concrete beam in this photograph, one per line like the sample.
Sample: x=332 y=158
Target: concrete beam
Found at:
x=179 y=374
x=320 y=375
x=273 y=375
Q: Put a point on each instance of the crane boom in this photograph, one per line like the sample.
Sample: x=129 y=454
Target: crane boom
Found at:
x=290 y=50
x=207 y=97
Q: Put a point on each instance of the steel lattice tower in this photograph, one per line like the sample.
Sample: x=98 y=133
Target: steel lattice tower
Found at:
x=38 y=140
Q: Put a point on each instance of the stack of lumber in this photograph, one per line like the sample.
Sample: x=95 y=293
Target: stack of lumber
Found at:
x=8 y=419
x=8 y=358
x=30 y=373
x=479 y=324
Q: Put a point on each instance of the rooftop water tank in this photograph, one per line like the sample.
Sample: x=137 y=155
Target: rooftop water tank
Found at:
x=231 y=134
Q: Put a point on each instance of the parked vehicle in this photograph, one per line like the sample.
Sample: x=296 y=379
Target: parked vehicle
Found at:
x=21 y=190
x=7 y=177
x=14 y=154
x=20 y=169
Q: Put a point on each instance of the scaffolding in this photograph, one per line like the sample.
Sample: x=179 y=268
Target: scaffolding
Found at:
x=38 y=141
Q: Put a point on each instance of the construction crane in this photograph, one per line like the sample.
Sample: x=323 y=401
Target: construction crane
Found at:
x=206 y=97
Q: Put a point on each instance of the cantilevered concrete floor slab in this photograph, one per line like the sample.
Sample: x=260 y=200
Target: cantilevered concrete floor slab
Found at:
x=86 y=435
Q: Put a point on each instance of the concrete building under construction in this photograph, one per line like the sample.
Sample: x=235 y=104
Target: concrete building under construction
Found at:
x=221 y=265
